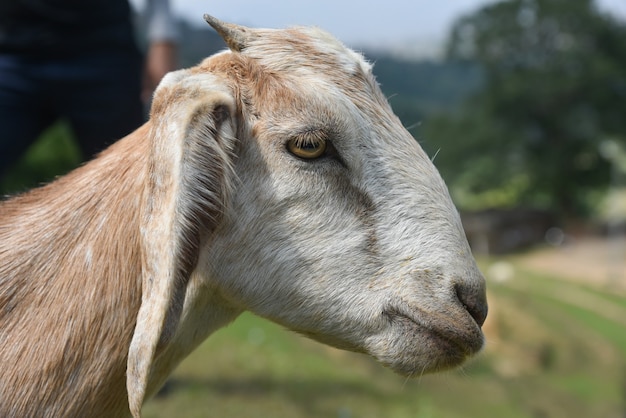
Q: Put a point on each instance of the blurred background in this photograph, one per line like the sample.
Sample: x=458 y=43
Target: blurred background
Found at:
x=522 y=106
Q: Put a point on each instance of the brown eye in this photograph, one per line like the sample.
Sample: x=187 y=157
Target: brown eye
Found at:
x=307 y=149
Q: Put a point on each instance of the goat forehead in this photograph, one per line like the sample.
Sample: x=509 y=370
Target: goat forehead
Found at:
x=291 y=97
x=305 y=49
x=319 y=65
x=277 y=65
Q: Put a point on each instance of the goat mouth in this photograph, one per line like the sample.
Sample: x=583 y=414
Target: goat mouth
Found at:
x=426 y=342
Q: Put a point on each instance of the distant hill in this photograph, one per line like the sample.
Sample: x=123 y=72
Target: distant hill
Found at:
x=424 y=86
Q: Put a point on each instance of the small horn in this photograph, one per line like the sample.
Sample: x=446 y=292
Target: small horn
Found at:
x=235 y=36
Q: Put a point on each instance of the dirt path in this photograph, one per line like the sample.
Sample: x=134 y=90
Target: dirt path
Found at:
x=591 y=260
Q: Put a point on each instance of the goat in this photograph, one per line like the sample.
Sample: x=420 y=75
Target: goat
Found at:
x=272 y=177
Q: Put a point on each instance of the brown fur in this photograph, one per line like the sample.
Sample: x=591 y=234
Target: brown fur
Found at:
x=67 y=316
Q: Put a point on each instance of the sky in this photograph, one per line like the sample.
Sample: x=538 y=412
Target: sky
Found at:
x=420 y=25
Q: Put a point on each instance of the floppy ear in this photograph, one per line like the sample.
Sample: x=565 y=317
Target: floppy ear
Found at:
x=188 y=183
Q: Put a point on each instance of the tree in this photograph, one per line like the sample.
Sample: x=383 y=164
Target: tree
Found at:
x=554 y=88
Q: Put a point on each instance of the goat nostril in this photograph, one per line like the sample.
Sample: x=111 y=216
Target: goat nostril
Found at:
x=474 y=301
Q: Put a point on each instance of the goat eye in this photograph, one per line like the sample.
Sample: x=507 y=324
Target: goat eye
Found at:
x=307 y=149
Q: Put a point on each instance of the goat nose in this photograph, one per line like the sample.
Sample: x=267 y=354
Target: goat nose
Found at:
x=474 y=299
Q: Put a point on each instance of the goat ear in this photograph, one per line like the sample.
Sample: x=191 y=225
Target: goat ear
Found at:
x=187 y=186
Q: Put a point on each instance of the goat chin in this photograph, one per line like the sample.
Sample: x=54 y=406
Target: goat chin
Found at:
x=273 y=177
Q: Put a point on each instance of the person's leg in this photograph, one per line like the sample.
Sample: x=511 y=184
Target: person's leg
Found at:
x=24 y=113
x=101 y=97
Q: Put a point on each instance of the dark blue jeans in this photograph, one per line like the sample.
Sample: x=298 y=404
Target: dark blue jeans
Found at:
x=97 y=92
